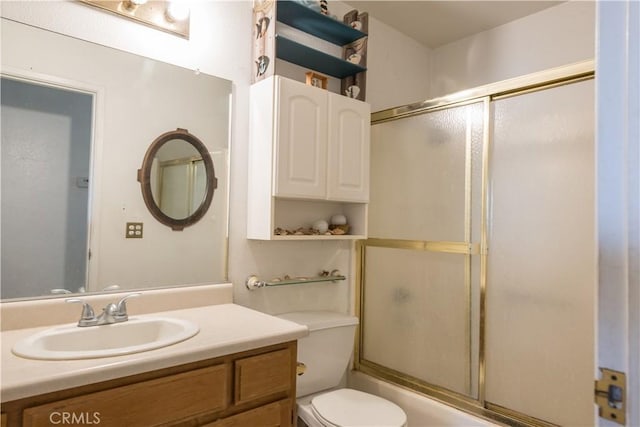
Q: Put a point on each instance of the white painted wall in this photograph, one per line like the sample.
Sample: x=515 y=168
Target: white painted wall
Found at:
x=398 y=68
x=556 y=36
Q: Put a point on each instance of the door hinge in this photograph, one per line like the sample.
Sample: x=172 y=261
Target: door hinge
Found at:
x=611 y=395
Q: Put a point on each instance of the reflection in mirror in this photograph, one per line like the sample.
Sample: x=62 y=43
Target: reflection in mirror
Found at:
x=177 y=179
x=45 y=197
x=128 y=101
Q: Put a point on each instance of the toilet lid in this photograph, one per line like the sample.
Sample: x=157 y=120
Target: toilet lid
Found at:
x=347 y=407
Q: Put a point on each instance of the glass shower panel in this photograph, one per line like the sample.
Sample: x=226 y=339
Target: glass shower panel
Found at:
x=542 y=257
x=416 y=314
x=418 y=174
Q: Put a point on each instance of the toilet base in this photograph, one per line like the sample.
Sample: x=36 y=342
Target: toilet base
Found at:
x=300 y=423
x=306 y=418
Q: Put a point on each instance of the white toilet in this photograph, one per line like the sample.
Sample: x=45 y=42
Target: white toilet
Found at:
x=326 y=352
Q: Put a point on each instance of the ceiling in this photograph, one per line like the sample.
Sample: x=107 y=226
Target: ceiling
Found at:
x=435 y=23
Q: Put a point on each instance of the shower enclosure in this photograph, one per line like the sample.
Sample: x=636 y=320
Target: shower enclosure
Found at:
x=477 y=284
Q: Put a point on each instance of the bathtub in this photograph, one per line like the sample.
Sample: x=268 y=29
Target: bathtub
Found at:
x=421 y=411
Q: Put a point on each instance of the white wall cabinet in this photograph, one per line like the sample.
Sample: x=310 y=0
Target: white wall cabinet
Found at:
x=308 y=159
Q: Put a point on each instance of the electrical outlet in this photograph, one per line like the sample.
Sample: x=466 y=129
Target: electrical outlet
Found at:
x=134 y=230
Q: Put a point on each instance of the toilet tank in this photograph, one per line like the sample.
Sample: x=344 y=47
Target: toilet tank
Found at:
x=327 y=349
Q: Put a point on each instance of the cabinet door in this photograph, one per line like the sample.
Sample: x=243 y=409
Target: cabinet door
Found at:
x=301 y=141
x=263 y=375
x=348 y=158
x=160 y=401
x=278 y=414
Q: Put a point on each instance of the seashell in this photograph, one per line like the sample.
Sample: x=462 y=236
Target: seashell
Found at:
x=352 y=91
x=262 y=64
x=355 y=58
x=338 y=219
x=339 y=229
x=261 y=27
x=321 y=226
x=356 y=25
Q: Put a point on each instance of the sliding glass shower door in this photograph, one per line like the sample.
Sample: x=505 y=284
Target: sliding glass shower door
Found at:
x=421 y=294
x=541 y=268
x=478 y=279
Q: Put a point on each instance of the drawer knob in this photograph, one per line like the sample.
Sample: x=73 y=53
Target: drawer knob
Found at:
x=300 y=368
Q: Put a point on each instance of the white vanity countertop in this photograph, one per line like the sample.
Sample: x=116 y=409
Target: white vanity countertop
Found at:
x=224 y=329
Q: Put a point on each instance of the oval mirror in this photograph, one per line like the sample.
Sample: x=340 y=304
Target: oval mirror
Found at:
x=177 y=179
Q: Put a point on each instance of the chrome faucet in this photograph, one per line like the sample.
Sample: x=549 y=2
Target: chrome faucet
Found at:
x=112 y=313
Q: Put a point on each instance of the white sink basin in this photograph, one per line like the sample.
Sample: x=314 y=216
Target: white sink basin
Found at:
x=133 y=336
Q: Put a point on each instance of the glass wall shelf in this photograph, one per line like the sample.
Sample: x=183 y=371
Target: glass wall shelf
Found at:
x=252 y=281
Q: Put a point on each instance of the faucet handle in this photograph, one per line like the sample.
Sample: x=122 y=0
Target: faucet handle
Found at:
x=87 y=317
x=121 y=306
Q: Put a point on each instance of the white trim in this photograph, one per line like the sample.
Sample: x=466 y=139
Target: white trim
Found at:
x=618 y=162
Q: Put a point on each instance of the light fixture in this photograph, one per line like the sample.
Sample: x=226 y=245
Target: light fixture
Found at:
x=177 y=11
x=131 y=5
x=170 y=16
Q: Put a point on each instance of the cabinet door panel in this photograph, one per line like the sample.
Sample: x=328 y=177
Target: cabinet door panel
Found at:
x=143 y=404
x=348 y=159
x=301 y=141
x=278 y=414
x=262 y=375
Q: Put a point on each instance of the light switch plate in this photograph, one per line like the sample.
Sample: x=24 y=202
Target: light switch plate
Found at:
x=134 y=230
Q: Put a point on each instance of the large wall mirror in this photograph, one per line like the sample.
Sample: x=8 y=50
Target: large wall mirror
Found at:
x=77 y=121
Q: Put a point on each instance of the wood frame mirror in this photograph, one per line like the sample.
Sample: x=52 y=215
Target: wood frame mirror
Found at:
x=150 y=178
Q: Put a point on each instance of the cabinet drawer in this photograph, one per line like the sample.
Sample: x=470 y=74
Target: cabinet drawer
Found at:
x=145 y=404
x=278 y=414
x=263 y=375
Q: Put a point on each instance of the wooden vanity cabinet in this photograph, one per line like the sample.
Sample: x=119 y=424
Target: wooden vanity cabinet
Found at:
x=252 y=388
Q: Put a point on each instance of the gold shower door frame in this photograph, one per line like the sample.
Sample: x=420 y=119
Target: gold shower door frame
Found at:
x=484 y=94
